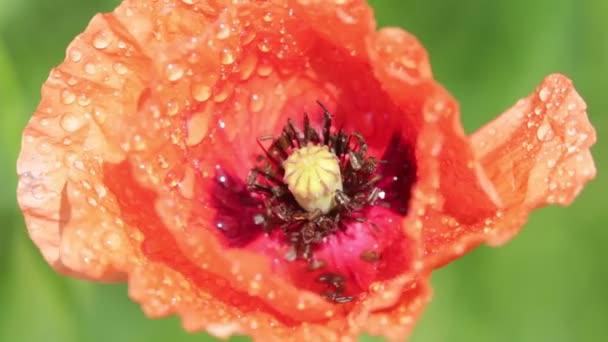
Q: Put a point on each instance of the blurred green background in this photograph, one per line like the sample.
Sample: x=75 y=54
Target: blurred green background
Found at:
x=549 y=284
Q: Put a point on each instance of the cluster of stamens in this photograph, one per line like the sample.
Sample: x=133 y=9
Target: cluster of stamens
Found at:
x=312 y=184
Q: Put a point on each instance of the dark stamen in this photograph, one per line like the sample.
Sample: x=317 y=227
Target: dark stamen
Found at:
x=305 y=230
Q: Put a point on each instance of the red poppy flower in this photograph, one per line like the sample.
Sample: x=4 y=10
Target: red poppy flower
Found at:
x=165 y=152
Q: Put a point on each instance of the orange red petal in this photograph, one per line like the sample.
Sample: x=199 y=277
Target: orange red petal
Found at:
x=535 y=154
x=154 y=98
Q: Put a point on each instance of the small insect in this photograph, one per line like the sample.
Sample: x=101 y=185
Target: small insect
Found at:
x=336 y=291
x=370 y=256
x=337 y=298
x=332 y=279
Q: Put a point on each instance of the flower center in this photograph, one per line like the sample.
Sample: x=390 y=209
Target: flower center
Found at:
x=312 y=174
x=313 y=184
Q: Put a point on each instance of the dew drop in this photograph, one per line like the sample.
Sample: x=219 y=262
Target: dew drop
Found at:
x=38 y=192
x=71 y=122
x=544 y=94
x=75 y=55
x=101 y=190
x=67 y=97
x=201 y=92
x=83 y=100
x=90 y=68
x=256 y=103
x=174 y=72
x=223 y=31
x=264 y=45
x=112 y=240
x=264 y=70
x=102 y=40
x=120 y=68
x=197 y=129
x=247 y=66
x=92 y=201
x=247 y=37
x=222 y=95
x=172 y=108
x=227 y=57
x=345 y=17
x=545 y=132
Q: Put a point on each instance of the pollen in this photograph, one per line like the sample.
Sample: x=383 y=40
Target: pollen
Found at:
x=312 y=175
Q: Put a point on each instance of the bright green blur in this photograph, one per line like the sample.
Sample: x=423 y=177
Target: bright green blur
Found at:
x=549 y=284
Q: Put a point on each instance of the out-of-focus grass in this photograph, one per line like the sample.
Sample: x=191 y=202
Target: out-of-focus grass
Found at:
x=549 y=284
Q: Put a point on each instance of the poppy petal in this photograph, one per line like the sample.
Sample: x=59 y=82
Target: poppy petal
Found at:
x=445 y=159
x=535 y=154
x=69 y=213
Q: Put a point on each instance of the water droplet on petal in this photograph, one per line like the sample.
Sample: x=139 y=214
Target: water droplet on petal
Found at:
x=38 y=192
x=90 y=68
x=545 y=132
x=571 y=131
x=256 y=103
x=120 y=68
x=544 y=94
x=223 y=31
x=101 y=190
x=264 y=70
x=112 y=240
x=102 y=39
x=92 y=201
x=247 y=66
x=75 y=55
x=67 y=97
x=71 y=122
x=174 y=72
x=227 y=57
x=264 y=45
x=223 y=94
x=201 y=92
x=345 y=17
x=172 y=108
x=83 y=100
x=197 y=128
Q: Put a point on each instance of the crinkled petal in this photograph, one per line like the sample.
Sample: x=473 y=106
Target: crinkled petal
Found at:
x=445 y=160
x=536 y=153
x=69 y=213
